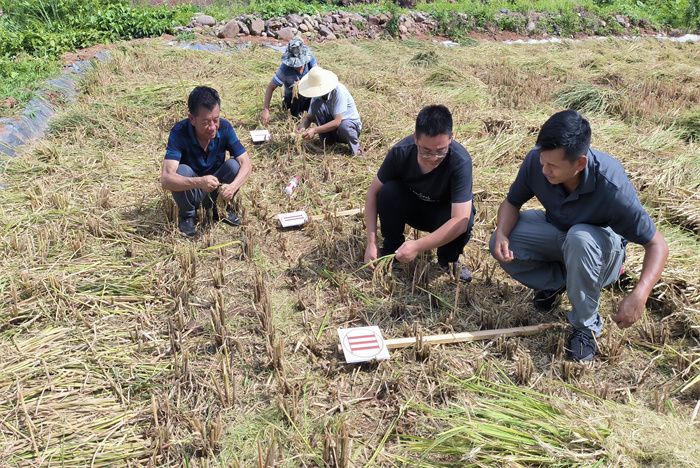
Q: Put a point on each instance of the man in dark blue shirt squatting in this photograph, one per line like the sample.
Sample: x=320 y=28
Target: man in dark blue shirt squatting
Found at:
x=425 y=182
x=195 y=168
x=578 y=242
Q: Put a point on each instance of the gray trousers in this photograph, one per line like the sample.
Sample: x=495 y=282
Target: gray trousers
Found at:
x=585 y=258
x=348 y=131
x=189 y=200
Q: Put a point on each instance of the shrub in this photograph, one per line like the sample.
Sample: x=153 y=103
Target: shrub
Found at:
x=283 y=7
x=47 y=28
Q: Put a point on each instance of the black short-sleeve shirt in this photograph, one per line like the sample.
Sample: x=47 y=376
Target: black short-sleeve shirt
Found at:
x=450 y=182
x=604 y=197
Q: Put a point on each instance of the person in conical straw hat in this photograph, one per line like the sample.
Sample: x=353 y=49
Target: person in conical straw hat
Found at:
x=332 y=109
x=297 y=60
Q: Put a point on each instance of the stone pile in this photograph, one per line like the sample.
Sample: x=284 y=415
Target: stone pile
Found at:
x=326 y=27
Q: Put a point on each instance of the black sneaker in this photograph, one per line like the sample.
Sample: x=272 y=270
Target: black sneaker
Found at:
x=546 y=299
x=458 y=270
x=231 y=218
x=187 y=226
x=582 y=346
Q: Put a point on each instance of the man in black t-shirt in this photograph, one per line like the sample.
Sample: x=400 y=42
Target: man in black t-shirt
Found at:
x=425 y=182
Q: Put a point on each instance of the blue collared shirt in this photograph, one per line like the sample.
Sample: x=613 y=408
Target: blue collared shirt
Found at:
x=604 y=197
x=184 y=147
x=286 y=76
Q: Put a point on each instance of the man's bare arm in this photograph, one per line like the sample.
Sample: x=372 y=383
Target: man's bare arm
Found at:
x=631 y=308
x=506 y=220
x=171 y=180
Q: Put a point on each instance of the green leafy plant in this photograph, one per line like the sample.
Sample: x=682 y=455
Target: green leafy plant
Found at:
x=283 y=7
x=47 y=28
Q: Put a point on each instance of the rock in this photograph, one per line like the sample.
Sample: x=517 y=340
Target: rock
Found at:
x=243 y=28
x=530 y=27
x=403 y=29
x=325 y=31
x=274 y=24
x=303 y=27
x=294 y=18
x=622 y=20
x=205 y=20
x=373 y=20
x=356 y=17
x=331 y=37
x=285 y=34
x=336 y=28
x=230 y=30
x=384 y=18
x=257 y=27
x=419 y=17
x=505 y=11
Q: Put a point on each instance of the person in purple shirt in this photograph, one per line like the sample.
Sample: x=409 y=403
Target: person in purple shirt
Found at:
x=297 y=60
x=578 y=242
x=195 y=168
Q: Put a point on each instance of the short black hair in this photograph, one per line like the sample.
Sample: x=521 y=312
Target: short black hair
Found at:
x=433 y=121
x=203 y=96
x=566 y=129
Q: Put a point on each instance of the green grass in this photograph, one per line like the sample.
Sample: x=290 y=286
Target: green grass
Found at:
x=21 y=77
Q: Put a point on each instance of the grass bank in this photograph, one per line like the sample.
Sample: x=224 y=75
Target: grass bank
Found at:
x=121 y=342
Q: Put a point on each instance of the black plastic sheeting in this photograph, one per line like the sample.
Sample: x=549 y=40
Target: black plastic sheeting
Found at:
x=32 y=124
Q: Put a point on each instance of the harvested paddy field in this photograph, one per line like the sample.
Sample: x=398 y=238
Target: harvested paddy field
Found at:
x=123 y=344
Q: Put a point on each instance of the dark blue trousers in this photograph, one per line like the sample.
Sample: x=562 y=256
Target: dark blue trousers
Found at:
x=189 y=200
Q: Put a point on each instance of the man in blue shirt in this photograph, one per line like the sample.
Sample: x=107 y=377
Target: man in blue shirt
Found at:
x=297 y=60
x=195 y=169
x=332 y=109
x=425 y=182
x=578 y=242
